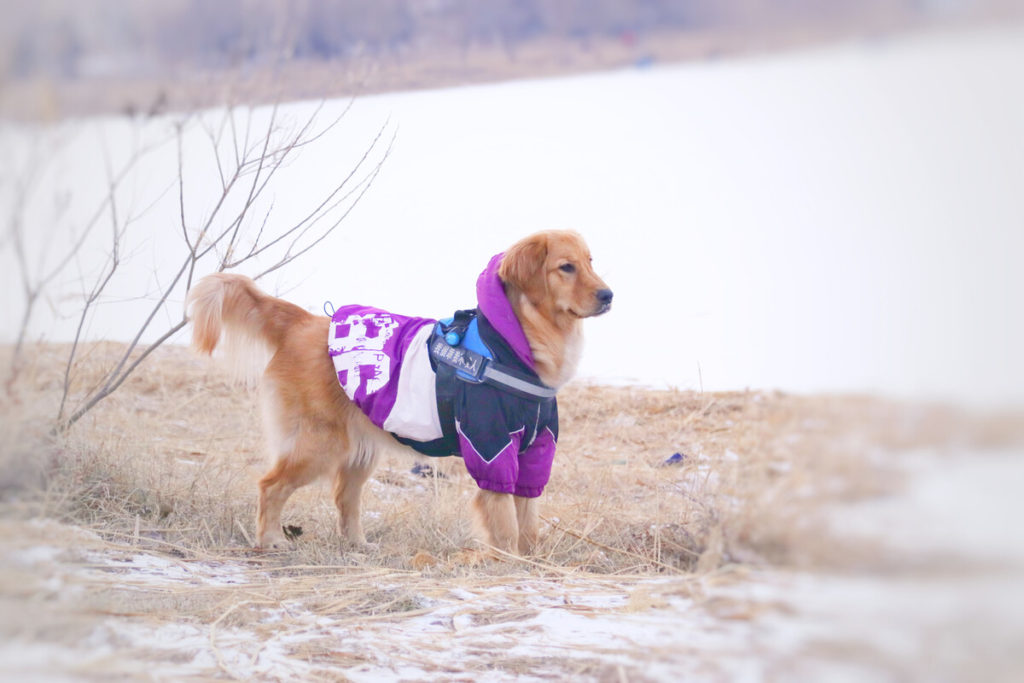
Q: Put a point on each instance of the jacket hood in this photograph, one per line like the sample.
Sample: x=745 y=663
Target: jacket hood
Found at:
x=494 y=305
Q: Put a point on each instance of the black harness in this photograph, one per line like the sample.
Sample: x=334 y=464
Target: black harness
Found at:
x=458 y=354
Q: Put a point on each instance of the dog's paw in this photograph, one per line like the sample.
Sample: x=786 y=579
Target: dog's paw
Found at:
x=275 y=547
x=275 y=543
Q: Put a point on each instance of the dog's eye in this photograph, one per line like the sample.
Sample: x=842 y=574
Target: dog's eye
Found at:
x=567 y=268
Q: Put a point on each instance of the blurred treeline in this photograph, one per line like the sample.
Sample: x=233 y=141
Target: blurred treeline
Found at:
x=75 y=38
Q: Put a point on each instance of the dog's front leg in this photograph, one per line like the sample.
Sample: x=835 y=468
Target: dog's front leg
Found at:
x=529 y=524
x=495 y=520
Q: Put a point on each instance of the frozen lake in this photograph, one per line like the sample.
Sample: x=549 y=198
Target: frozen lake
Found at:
x=843 y=219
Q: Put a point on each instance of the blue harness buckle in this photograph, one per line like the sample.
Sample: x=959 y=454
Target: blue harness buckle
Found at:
x=473 y=362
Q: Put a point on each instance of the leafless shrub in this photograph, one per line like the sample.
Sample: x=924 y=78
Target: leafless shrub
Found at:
x=239 y=231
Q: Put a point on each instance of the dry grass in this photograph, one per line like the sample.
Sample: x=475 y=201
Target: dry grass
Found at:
x=165 y=471
x=171 y=460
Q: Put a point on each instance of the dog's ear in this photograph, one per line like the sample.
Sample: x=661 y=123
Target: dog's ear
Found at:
x=520 y=264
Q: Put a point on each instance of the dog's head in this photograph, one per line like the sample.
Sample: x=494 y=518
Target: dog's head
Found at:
x=553 y=271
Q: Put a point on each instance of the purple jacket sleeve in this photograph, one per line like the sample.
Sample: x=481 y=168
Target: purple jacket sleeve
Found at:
x=495 y=468
x=509 y=471
x=491 y=433
x=535 y=465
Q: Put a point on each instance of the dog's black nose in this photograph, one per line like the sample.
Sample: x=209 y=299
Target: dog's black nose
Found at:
x=604 y=296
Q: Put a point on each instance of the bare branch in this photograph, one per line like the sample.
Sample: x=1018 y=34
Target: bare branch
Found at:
x=36 y=281
x=314 y=215
x=110 y=388
x=225 y=237
x=181 y=187
x=215 y=145
x=255 y=182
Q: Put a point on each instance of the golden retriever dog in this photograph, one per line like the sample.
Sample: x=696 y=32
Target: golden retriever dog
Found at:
x=336 y=391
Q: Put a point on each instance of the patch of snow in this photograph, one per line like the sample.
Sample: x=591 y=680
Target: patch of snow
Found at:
x=143 y=567
x=35 y=555
x=28 y=661
x=958 y=505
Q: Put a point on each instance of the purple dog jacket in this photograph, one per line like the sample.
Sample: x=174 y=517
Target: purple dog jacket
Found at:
x=383 y=364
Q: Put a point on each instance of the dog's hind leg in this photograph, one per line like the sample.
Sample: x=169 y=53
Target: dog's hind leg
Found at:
x=348 y=490
x=276 y=486
x=529 y=524
x=290 y=470
x=301 y=450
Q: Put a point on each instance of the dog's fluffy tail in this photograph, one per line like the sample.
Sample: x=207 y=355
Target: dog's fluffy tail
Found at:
x=253 y=324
